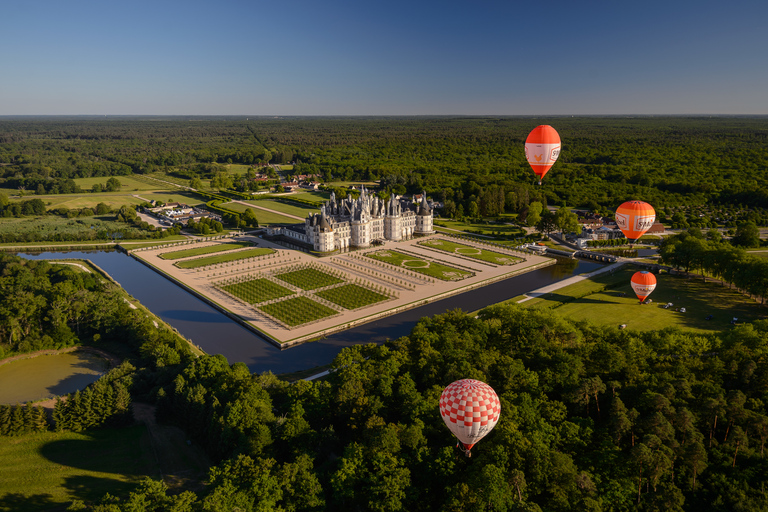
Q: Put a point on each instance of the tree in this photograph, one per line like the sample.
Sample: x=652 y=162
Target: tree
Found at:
x=747 y=235
x=113 y=185
x=534 y=213
x=547 y=223
x=566 y=220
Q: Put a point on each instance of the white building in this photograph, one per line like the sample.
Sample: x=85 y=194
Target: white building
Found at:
x=359 y=222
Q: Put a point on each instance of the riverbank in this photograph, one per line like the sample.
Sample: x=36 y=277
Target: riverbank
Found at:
x=112 y=359
x=406 y=288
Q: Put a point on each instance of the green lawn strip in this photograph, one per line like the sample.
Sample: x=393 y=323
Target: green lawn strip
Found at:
x=609 y=300
x=308 y=278
x=289 y=208
x=199 y=251
x=223 y=258
x=297 y=311
x=469 y=251
x=482 y=228
x=351 y=296
x=127 y=183
x=257 y=290
x=421 y=265
x=50 y=469
x=265 y=218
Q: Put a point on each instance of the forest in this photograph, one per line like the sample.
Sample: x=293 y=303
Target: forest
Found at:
x=670 y=162
x=591 y=418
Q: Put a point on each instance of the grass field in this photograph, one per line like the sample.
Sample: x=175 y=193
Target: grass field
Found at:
x=256 y=291
x=199 y=251
x=297 y=311
x=351 y=296
x=292 y=209
x=609 y=300
x=223 y=258
x=127 y=183
x=470 y=251
x=309 y=278
x=48 y=470
x=264 y=218
x=420 y=265
x=483 y=228
x=317 y=196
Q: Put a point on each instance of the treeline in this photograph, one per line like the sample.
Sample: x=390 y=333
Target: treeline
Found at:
x=46 y=306
x=604 y=161
x=591 y=419
x=691 y=251
x=105 y=402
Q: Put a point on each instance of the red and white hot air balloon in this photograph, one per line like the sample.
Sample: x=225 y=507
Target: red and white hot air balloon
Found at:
x=470 y=408
x=643 y=283
x=635 y=218
x=542 y=147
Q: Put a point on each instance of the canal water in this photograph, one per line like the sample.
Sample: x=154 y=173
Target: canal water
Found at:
x=217 y=334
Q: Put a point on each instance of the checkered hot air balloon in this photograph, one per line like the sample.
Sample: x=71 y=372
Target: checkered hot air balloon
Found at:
x=470 y=409
x=542 y=147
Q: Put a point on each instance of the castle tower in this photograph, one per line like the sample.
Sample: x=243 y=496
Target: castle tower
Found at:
x=424 y=217
x=392 y=220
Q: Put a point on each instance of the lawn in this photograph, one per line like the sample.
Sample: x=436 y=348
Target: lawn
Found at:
x=297 y=311
x=291 y=209
x=257 y=290
x=127 y=183
x=470 y=251
x=351 y=296
x=317 y=196
x=88 y=200
x=482 y=228
x=265 y=218
x=609 y=300
x=199 y=251
x=309 y=278
x=420 y=265
x=223 y=258
x=48 y=470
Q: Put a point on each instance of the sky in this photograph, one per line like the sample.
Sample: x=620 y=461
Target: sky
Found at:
x=375 y=57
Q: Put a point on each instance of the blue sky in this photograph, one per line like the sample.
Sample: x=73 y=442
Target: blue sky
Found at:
x=373 y=57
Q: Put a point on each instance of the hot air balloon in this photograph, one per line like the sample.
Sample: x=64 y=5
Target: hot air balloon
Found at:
x=635 y=218
x=643 y=283
x=470 y=408
x=542 y=147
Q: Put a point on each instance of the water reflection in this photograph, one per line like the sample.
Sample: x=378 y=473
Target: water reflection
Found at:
x=217 y=334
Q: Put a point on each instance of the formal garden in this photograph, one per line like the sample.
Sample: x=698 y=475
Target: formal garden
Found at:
x=255 y=291
x=469 y=251
x=352 y=296
x=224 y=258
x=202 y=251
x=421 y=265
x=297 y=311
x=309 y=278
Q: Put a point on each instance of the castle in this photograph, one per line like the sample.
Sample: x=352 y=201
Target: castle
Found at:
x=360 y=222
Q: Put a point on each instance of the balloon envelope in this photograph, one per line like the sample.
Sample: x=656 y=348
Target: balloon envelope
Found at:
x=470 y=408
x=635 y=218
x=542 y=147
x=643 y=283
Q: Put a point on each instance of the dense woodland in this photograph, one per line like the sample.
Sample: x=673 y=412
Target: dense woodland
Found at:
x=592 y=418
x=467 y=163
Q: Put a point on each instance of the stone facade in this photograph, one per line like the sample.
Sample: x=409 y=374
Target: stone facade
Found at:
x=349 y=222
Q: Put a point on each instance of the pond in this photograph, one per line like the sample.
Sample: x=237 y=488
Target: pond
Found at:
x=48 y=376
x=217 y=334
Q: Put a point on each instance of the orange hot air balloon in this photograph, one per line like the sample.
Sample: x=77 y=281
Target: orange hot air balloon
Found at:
x=470 y=409
x=643 y=283
x=635 y=218
x=542 y=147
